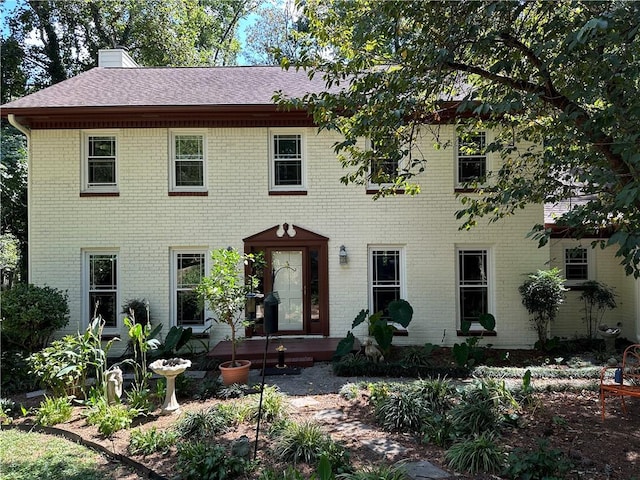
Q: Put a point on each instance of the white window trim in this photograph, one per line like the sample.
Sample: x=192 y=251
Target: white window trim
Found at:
x=172 y=160
x=87 y=313
x=84 y=161
x=491 y=273
x=375 y=186
x=403 y=273
x=591 y=269
x=456 y=163
x=174 y=286
x=303 y=168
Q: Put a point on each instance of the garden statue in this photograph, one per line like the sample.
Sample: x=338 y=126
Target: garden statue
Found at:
x=114 y=385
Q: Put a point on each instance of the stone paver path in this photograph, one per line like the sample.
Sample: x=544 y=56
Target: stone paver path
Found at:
x=422 y=470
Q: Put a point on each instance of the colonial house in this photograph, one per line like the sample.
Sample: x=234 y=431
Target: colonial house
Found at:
x=136 y=174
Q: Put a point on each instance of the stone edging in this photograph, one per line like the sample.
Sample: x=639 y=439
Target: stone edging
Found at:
x=141 y=469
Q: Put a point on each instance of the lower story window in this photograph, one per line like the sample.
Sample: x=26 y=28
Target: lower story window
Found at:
x=576 y=264
x=189 y=269
x=102 y=288
x=386 y=277
x=473 y=284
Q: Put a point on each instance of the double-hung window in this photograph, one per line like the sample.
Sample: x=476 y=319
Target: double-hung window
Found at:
x=576 y=265
x=386 y=277
x=471 y=158
x=287 y=164
x=474 y=284
x=188 y=269
x=100 y=162
x=188 y=161
x=101 y=287
x=383 y=170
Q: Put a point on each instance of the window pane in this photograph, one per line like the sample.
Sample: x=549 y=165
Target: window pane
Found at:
x=102 y=172
x=190 y=309
x=189 y=147
x=470 y=169
x=106 y=307
x=189 y=271
x=473 y=303
x=189 y=174
x=382 y=296
x=287 y=146
x=576 y=264
x=102 y=146
x=473 y=267
x=288 y=173
x=383 y=170
x=103 y=288
x=386 y=267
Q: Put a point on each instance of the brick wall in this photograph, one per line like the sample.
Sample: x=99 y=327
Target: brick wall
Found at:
x=144 y=223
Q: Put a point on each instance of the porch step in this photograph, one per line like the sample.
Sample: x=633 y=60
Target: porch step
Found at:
x=299 y=352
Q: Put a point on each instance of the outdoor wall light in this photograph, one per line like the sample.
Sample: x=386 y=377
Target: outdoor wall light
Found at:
x=344 y=258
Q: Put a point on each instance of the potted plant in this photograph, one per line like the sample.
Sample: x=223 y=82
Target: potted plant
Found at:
x=225 y=292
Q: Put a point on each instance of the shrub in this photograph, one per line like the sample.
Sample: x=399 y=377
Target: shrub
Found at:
x=14 y=373
x=543 y=463
x=205 y=423
x=377 y=472
x=478 y=411
x=274 y=404
x=478 y=454
x=402 y=410
x=53 y=411
x=110 y=418
x=597 y=298
x=31 y=314
x=301 y=442
x=201 y=461
x=146 y=442
x=542 y=294
x=437 y=393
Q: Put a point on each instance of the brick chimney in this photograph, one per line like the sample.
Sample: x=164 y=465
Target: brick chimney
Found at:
x=115 y=57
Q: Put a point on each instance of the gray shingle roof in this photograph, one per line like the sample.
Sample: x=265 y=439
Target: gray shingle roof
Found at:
x=108 y=87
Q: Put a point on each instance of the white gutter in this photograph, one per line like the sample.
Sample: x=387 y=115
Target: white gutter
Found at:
x=27 y=133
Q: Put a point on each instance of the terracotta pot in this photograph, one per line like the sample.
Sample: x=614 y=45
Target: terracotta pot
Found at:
x=239 y=374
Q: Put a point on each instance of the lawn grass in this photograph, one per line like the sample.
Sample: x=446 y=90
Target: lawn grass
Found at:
x=35 y=456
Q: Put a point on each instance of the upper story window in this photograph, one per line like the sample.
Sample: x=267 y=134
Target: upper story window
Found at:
x=386 y=277
x=383 y=170
x=101 y=287
x=188 y=161
x=188 y=269
x=471 y=158
x=474 y=284
x=100 y=162
x=576 y=265
x=287 y=165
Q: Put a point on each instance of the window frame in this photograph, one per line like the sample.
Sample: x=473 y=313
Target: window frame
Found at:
x=401 y=282
x=87 y=186
x=87 y=290
x=175 y=253
x=372 y=185
x=589 y=263
x=458 y=157
x=302 y=186
x=173 y=161
x=489 y=286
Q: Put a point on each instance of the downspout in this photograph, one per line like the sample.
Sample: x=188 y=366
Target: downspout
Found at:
x=26 y=131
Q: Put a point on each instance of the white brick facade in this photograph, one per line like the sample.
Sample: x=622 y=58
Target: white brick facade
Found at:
x=144 y=223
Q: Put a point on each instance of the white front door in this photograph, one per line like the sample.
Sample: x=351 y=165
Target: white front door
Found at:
x=287 y=266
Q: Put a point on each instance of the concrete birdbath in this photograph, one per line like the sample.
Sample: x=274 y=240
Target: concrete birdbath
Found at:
x=170 y=369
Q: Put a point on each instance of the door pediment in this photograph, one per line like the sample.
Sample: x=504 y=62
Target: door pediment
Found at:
x=285 y=234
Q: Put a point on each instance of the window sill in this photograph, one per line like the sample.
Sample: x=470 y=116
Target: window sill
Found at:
x=477 y=333
x=188 y=194
x=99 y=194
x=374 y=191
x=287 y=192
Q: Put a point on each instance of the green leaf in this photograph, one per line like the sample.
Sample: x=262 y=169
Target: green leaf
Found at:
x=345 y=346
x=401 y=312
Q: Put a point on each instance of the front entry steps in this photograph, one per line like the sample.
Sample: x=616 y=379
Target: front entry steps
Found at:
x=299 y=352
